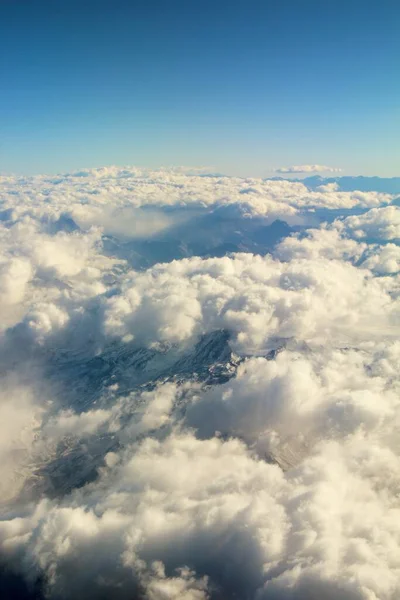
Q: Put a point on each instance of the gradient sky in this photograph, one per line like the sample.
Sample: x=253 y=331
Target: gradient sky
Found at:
x=242 y=87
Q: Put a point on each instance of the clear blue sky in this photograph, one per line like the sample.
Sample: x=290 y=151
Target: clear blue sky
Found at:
x=240 y=86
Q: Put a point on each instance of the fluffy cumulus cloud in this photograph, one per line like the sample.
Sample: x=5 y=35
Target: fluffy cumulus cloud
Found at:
x=200 y=393
x=377 y=224
x=255 y=298
x=308 y=169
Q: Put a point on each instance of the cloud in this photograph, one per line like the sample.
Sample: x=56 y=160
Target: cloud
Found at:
x=106 y=197
x=379 y=224
x=384 y=261
x=284 y=407
x=255 y=298
x=206 y=427
x=252 y=528
x=15 y=274
x=128 y=223
x=21 y=415
x=308 y=169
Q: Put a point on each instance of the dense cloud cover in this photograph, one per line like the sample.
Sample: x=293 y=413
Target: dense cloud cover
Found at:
x=199 y=388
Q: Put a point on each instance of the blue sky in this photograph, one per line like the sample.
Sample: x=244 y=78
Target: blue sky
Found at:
x=242 y=87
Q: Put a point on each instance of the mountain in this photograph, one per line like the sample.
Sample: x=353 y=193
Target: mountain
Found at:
x=210 y=361
x=214 y=234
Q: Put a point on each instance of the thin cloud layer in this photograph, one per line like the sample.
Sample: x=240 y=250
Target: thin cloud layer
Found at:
x=308 y=169
x=208 y=427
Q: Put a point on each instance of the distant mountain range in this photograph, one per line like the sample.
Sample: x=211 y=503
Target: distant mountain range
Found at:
x=214 y=234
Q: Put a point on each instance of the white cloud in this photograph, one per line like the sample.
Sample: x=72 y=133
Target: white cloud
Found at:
x=15 y=274
x=68 y=423
x=325 y=243
x=127 y=222
x=255 y=298
x=283 y=407
x=308 y=169
x=20 y=416
x=384 y=260
x=255 y=530
x=281 y=482
x=380 y=224
x=184 y=585
x=109 y=198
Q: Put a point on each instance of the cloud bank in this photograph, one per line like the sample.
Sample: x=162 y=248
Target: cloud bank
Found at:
x=211 y=426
